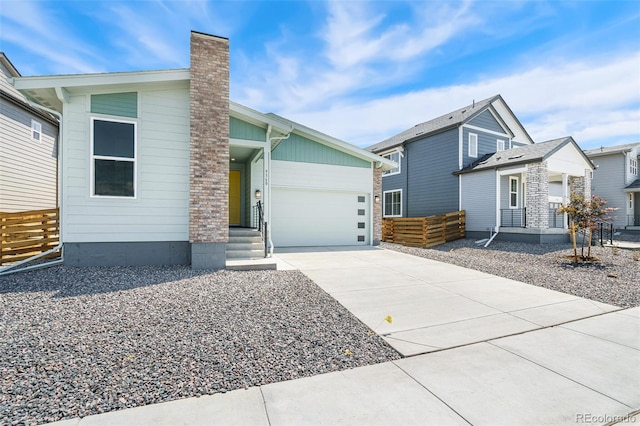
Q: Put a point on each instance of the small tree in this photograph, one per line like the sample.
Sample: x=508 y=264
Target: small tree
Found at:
x=585 y=215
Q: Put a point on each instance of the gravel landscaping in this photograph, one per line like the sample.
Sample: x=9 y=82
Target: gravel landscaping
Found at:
x=82 y=341
x=615 y=279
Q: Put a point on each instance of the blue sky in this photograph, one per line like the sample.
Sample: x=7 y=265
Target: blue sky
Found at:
x=364 y=71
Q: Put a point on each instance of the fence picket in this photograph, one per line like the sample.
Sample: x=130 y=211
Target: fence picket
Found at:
x=424 y=232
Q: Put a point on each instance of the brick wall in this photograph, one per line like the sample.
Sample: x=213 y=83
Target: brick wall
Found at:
x=209 y=156
x=537 y=193
x=377 y=207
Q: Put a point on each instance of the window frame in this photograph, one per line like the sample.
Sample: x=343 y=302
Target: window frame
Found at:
x=36 y=129
x=93 y=158
x=384 y=203
x=517 y=191
x=473 y=154
x=398 y=169
x=633 y=166
x=500 y=142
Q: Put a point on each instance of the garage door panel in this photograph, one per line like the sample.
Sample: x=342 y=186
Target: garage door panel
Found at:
x=312 y=218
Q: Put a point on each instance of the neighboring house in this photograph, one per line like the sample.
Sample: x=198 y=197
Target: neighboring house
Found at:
x=157 y=165
x=617 y=180
x=436 y=157
x=518 y=191
x=28 y=150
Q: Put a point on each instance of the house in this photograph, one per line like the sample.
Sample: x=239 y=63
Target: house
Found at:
x=28 y=149
x=158 y=167
x=617 y=180
x=441 y=161
x=518 y=191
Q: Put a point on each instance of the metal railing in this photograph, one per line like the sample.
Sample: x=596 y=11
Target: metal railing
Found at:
x=261 y=225
x=556 y=220
x=605 y=232
x=513 y=218
x=633 y=220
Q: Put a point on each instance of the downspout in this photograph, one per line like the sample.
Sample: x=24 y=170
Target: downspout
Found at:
x=267 y=164
x=11 y=268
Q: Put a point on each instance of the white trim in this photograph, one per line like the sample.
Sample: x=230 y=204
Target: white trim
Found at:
x=93 y=157
x=517 y=180
x=82 y=80
x=460 y=147
x=633 y=166
x=384 y=202
x=500 y=142
x=480 y=129
x=36 y=129
x=247 y=143
x=469 y=153
x=398 y=169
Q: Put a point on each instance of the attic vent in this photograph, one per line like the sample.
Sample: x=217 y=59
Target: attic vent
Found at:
x=419 y=133
x=463 y=111
x=450 y=117
x=516 y=157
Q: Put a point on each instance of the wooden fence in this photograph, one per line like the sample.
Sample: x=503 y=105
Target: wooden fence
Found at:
x=25 y=234
x=424 y=231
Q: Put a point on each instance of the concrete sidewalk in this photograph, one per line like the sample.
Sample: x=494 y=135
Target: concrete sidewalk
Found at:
x=488 y=355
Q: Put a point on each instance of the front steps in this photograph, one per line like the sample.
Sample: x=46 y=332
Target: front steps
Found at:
x=244 y=243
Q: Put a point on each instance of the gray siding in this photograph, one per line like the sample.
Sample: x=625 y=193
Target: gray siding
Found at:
x=478 y=200
x=486 y=121
x=431 y=186
x=608 y=183
x=486 y=144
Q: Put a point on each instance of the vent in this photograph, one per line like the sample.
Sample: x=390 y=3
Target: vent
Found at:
x=515 y=157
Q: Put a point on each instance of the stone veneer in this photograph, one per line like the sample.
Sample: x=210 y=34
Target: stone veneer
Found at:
x=537 y=196
x=581 y=185
x=377 y=207
x=209 y=153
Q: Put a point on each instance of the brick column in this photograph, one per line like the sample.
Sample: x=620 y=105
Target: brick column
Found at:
x=377 y=207
x=209 y=153
x=581 y=185
x=537 y=193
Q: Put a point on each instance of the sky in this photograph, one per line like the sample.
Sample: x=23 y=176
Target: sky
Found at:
x=363 y=71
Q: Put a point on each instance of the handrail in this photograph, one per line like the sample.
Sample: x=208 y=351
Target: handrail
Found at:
x=262 y=225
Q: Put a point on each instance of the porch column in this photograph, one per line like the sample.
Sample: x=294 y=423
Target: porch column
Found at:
x=581 y=185
x=565 y=198
x=209 y=151
x=537 y=195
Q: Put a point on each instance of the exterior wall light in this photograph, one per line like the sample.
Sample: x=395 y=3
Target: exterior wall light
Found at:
x=258 y=194
x=376 y=199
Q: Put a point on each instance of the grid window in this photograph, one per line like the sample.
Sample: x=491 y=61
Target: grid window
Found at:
x=392 y=203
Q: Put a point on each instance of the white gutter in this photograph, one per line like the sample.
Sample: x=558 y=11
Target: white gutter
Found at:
x=9 y=269
x=267 y=167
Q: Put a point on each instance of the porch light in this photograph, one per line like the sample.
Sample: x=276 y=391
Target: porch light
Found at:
x=376 y=198
x=258 y=194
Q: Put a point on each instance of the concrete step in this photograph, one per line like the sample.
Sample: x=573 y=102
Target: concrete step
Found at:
x=243 y=232
x=245 y=254
x=253 y=245
x=244 y=240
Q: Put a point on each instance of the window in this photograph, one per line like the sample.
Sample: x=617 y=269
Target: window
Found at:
x=513 y=192
x=393 y=156
x=499 y=145
x=36 y=130
x=473 y=145
x=392 y=203
x=113 y=159
x=633 y=166
x=630 y=202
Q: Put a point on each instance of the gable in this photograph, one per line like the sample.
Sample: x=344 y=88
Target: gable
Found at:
x=486 y=120
x=239 y=129
x=300 y=149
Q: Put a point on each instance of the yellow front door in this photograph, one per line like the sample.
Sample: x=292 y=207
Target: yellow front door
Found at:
x=234 y=197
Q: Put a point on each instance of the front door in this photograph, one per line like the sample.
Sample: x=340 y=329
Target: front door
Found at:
x=234 y=197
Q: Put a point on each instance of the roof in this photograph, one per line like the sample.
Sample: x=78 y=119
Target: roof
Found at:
x=8 y=65
x=634 y=187
x=607 y=150
x=452 y=120
x=522 y=155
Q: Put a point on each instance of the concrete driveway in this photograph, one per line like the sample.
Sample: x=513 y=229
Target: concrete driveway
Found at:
x=433 y=305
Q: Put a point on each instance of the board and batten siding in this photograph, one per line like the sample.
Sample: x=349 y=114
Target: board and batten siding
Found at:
x=160 y=210
x=486 y=120
x=431 y=186
x=28 y=168
x=239 y=129
x=608 y=182
x=300 y=149
x=478 y=200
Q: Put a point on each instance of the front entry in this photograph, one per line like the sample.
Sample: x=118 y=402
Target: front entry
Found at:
x=234 y=197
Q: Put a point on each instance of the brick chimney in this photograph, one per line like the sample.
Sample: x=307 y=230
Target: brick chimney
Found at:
x=209 y=153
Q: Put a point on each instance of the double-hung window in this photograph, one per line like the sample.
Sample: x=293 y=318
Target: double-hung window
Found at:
x=113 y=158
x=392 y=203
x=393 y=156
x=36 y=130
x=473 y=145
x=633 y=166
x=499 y=145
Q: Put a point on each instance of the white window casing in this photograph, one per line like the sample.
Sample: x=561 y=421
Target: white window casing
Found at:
x=393 y=156
x=500 y=145
x=514 y=192
x=633 y=166
x=392 y=203
x=114 y=174
x=36 y=130
x=473 y=145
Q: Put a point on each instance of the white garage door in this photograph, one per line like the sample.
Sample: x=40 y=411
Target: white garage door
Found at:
x=319 y=218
